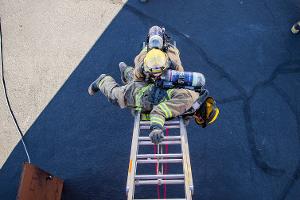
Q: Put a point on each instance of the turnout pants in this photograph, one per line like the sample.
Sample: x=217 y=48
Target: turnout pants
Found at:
x=161 y=104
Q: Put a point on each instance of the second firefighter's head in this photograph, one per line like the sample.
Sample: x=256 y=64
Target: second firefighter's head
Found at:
x=155 y=62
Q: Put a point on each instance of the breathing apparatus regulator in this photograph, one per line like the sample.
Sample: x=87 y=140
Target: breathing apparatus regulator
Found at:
x=157 y=38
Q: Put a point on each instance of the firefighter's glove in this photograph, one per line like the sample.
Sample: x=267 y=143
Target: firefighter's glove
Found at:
x=156 y=135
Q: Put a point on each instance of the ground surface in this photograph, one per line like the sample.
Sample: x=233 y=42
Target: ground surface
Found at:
x=252 y=65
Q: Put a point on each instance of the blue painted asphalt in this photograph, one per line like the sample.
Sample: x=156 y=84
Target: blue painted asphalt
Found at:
x=252 y=65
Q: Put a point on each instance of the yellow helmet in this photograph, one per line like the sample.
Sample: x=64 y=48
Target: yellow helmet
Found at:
x=155 y=61
x=207 y=113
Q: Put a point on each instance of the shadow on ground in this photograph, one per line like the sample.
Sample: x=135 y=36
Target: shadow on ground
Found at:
x=252 y=64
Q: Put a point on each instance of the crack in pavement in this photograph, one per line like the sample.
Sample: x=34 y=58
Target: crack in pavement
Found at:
x=296 y=174
x=290 y=183
x=229 y=99
x=251 y=137
x=280 y=69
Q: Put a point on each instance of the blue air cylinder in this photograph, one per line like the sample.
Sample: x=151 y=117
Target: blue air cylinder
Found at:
x=190 y=79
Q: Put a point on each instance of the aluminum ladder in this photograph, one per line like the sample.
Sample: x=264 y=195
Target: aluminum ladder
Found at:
x=181 y=157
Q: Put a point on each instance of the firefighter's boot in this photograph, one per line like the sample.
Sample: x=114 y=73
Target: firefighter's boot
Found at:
x=94 y=87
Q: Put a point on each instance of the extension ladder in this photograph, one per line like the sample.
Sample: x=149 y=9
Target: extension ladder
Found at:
x=159 y=158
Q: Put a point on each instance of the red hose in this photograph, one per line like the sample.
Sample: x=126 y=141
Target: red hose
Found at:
x=165 y=168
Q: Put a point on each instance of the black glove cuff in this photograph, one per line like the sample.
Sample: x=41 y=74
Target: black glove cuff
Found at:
x=156 y=126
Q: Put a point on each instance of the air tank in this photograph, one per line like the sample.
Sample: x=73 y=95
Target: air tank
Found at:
x=191 y=79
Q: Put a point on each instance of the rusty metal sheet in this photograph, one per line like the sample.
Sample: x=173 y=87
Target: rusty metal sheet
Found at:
x=36 y=184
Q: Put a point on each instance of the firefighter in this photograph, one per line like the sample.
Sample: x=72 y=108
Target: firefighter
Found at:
x=156 y=39
x=161 y=104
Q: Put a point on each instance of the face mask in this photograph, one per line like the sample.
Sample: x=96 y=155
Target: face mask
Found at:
x=155 y=41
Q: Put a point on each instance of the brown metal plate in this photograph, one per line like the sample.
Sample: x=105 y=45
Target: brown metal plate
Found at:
x=36 y=184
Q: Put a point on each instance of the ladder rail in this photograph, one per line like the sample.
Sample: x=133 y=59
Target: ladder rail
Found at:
x=189 y=187
x=130 y=186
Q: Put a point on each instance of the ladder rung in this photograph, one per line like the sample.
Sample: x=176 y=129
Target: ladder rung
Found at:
x=165 y=176
x=160 y=161
x=160 y=199
x=163 y=142
x=165 y=138
x=171 y=155
x=159 y=182
x=166 y=122
x=143 y=127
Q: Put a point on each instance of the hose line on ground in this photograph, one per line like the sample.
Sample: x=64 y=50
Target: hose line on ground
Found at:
x=7 y=99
